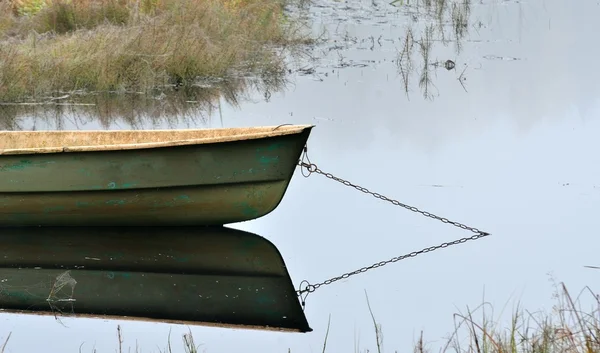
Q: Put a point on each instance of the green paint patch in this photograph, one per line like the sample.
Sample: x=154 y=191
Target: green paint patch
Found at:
x=17 y=166
x=175 y=201
x=250 y=244
x=265 y=159
x=273 y=147
x=112 y=275
x=276 y=146
x=22 y=295
x=116 y=202
x=115 y=186
x=81 y=204
x=268 y=160
x=85 y=172
x=265 y=300
x=20 y=217
x=23 y=164
x=247 y=210
x=54 y=209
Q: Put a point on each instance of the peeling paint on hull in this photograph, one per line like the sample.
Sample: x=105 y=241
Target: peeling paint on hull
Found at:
x=209 y=184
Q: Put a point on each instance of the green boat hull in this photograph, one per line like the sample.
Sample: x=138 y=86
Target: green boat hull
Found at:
x=201 y=184
x=212 y=276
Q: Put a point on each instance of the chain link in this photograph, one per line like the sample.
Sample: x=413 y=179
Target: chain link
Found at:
x=306 y=287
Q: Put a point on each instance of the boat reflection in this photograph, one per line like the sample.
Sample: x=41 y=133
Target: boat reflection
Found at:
x=213 y=276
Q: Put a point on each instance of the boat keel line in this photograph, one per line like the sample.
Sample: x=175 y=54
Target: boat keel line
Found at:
x=309 y=168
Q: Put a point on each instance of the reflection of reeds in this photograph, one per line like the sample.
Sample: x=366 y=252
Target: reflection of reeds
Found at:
x=404 y=61
x=460 y=21
x=445 y=13
x=425 y=50
x=436 y=12
x=191 y=106
x=440 y=8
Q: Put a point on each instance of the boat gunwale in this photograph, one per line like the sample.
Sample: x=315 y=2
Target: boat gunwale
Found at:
x=263 y=132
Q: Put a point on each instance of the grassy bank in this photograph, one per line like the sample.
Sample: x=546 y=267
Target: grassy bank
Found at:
x=49 y=47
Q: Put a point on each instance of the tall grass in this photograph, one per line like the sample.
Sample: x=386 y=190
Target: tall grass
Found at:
x=568 y=328
x=133 y=45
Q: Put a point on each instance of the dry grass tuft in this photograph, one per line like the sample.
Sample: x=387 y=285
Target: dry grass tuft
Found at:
x=133 y=45
x=567 y=329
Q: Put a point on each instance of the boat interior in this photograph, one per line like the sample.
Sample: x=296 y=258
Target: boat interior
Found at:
x=15 y=142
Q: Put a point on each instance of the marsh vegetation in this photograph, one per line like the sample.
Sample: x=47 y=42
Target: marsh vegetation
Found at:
x=50 y=48
x=569 y=327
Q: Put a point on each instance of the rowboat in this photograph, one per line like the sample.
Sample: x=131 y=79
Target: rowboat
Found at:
x=201 y=276
x=146 y=177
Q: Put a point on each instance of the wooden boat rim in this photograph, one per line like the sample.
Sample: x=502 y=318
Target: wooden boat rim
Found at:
x=151 y=320
x=58 y=141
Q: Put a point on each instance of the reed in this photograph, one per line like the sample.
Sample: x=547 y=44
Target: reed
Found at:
x=568 y=328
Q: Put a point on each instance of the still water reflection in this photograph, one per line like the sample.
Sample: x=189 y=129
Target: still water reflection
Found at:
x=168 y=107
x=508 y=148
x=218 y=276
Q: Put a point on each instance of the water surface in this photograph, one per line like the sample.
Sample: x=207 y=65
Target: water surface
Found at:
x=505 y=141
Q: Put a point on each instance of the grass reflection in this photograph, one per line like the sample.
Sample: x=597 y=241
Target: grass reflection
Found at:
x=437 y=15
x=168 y=107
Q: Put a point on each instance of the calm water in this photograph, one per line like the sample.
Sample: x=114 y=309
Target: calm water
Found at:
x=505 y=141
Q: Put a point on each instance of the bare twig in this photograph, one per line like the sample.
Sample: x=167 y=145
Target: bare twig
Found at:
x=5 y=342
x=326 y=333
x=120 y=338
x=461 y=78
x=377 y=327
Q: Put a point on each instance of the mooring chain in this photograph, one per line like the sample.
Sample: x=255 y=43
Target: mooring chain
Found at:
x=306 y=287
